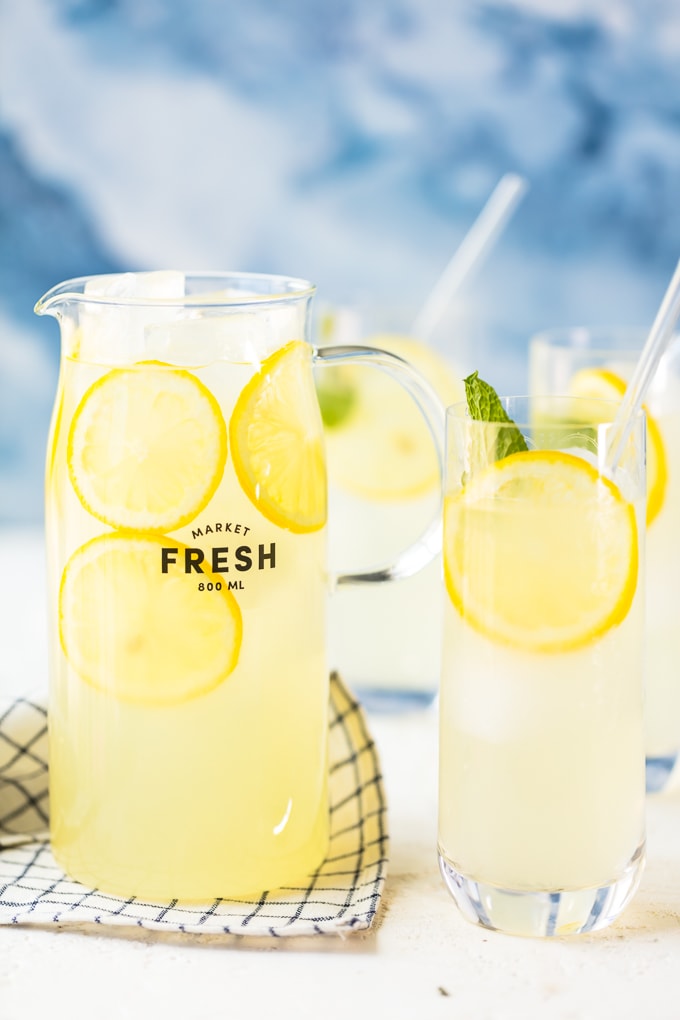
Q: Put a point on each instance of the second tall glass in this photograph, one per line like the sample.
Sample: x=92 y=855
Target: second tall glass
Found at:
x=586 y=362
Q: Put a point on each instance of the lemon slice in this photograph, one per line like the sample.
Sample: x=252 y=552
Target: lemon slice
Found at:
x=603 y=384
x=147 y=447
x=140 y=634
x=276 y=440
x=540 y=552
x=377 y=442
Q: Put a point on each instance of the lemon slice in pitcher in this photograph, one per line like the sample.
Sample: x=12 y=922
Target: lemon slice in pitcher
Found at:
x=276 y=441
x=145 y=636
x=540 y=552
x=603 y=384
x=147 y=447
x=379 y=447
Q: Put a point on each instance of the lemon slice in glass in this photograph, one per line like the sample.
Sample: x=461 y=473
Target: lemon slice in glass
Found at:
x=140 y=634
x=541 y=552
x=147 y=447
x=378 y=444
x=276 y=439
x=603 y=384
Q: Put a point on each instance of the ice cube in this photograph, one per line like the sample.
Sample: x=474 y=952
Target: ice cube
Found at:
x=205 y=335
x=113 y=333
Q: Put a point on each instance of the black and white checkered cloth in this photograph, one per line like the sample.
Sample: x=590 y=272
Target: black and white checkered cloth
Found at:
x=342 y=896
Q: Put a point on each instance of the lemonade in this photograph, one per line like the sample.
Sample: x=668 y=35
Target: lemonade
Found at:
x=598 y=364
x=541 y=819
x=186 y=510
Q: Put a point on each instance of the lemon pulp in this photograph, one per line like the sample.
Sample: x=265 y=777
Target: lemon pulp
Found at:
x=147 y=447
x=276 y=439
x=540 y=552
x=143 y=635
x=603 y=384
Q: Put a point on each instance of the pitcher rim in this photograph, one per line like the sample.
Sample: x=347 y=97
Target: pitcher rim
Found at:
x=67 y=292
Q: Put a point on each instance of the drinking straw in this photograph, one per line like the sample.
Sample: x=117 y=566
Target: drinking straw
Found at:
x=471 y=252
x=655 y=345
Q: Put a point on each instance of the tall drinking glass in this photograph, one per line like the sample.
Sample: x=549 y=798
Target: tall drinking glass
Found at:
x=598 y=363
x=542 y=785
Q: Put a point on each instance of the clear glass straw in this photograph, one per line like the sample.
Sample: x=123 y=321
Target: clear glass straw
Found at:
x=648 y=362
x=471 y=252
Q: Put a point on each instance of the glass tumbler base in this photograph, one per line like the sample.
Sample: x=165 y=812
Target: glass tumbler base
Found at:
x=659 y=772
x=543 y=913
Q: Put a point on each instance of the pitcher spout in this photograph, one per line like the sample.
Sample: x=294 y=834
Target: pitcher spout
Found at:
x=58 y=298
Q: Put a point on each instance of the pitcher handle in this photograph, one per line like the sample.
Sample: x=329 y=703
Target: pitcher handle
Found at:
x=429 y=543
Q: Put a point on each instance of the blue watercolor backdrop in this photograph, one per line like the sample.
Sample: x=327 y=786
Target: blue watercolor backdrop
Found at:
x=352 y=143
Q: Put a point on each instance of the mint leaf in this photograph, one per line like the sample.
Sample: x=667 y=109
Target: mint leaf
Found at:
x=336 y=398
x=484 y=405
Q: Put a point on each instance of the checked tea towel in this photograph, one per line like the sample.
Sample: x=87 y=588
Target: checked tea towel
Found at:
x=342 y=896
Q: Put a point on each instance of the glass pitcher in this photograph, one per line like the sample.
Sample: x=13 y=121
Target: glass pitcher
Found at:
x=186 y=543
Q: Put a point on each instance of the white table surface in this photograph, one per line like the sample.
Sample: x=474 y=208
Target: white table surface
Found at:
x=421 y=960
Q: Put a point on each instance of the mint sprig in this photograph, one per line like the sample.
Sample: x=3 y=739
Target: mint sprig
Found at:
x=337 y=398
x=484 y=405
